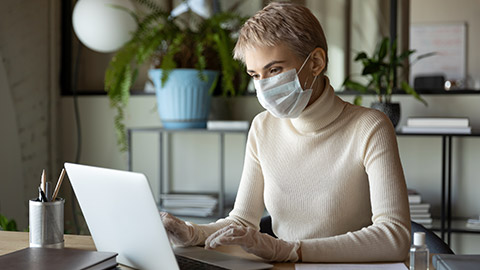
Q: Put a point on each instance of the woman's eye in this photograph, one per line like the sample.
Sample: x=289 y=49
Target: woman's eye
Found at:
x=274 y=70
x=255 y=76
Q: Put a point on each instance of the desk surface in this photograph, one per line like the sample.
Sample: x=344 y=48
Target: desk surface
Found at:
x=12 y=241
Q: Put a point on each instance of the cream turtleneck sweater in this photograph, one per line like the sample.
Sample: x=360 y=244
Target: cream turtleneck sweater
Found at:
x=331 y=178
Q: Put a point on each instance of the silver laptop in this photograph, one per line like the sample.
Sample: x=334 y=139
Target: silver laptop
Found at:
x=122 y=217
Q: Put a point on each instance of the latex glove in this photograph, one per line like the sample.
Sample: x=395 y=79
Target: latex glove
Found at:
x=253 y=241
x=181 y=233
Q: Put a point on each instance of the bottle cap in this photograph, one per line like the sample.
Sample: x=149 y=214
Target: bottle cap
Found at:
x=419 y=238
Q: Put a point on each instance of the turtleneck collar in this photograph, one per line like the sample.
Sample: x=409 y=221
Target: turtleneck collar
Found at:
x=321 y=112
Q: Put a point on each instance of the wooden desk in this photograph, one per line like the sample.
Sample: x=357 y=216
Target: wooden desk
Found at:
x=12 y=241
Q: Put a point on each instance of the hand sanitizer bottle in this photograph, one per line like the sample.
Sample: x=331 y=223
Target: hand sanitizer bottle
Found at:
x=419 y=255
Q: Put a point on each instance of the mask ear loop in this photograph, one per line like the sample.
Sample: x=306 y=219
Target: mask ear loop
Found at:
x=313 y=82
x=304 y=63
x=314 y=79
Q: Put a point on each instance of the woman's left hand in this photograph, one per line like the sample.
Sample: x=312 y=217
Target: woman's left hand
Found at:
x=255 y=242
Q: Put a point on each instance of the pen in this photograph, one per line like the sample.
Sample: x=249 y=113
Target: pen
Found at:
x=42 y=181
x=42 y=196
x=48 y=190
x=59 y=183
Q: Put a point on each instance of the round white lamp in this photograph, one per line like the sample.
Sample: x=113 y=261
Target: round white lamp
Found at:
x=101 y=25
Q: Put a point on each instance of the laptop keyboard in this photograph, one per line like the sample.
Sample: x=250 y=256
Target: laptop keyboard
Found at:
x=189 y=264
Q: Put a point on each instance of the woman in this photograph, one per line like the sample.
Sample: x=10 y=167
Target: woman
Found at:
x=327 y=172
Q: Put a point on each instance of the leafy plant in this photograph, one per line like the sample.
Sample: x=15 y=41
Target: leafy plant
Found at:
x=7 y=225
x=174 y=42
x=379 y=69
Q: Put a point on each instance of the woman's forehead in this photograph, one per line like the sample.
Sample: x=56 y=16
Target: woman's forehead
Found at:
x=258 y=57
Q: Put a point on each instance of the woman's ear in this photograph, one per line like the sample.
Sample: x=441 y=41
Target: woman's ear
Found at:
x=318 y=61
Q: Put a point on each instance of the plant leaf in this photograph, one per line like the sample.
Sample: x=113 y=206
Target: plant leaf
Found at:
x=358 y=100
x=360 y=56
x=425 y=55
x=371 y=67
x=405 y=55
x=353 y=85
x=382 y=51
x=409 y=90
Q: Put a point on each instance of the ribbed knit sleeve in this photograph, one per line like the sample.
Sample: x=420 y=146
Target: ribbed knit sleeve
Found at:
x=388 y=238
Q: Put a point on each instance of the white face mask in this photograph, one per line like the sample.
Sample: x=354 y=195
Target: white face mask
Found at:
x=282 y=95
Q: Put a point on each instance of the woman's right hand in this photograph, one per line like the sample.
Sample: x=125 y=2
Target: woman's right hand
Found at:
x=179 y=232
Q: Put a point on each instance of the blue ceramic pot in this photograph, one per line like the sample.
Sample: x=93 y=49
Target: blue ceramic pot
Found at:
x=184 y=100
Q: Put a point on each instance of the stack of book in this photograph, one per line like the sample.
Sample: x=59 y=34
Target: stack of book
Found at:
x=227 y=125
x=473 y=223
x=435 y=125
x=419 y=211
x=193 y=205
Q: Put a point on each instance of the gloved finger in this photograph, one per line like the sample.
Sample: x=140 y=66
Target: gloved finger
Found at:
x=178 y=231
x=170 y=222
x=229 y=235
x=170 y=218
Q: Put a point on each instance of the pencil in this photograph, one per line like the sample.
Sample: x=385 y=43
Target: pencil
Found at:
x=59 y=183
x=43 y=182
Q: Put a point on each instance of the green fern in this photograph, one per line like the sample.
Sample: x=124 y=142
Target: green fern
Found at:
x=170 y=43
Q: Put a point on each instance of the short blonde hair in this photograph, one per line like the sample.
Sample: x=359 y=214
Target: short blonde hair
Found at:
x=282 y=22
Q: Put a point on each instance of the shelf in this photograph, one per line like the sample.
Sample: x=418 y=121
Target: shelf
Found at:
x=164 y=160
x=475 y=133
x=458 y=226
x=421 y=92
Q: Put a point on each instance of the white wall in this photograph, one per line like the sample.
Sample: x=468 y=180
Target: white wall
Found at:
x=447 y=11
x=28 y=35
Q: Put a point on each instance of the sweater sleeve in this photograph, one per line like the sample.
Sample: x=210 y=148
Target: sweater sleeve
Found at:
x=388 y=238
x=249 y=207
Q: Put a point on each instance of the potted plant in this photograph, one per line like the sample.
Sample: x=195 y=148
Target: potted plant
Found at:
x=379 y=70
x=188 y=55
x=7 y=224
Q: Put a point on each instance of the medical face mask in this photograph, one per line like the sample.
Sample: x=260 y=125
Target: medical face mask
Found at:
x=282 y=95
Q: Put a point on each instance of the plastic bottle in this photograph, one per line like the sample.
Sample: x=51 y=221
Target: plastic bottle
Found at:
x=419 y=254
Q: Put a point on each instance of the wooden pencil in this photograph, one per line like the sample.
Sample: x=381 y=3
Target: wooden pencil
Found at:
x=59 y=183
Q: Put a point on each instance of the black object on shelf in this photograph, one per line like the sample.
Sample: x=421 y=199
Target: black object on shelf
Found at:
x=432 y=84
x=446 y=191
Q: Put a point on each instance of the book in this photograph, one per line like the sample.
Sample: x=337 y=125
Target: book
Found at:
x=420 y=216
x=195 y=205
x=53 y=259
x=423 y=220
x=473 y=224
x=228 y=125
x=437 y=130
x=187 y=196
x=420 y=206
x=438 y=122
x=414 y=211
x=456 y=262
x=414 y=198
x=188 y=203
x=189 y=211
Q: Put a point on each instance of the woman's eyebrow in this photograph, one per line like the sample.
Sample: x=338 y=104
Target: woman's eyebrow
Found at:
x=267 y=66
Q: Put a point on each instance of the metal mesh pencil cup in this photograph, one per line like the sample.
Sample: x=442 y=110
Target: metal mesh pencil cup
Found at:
x=46 y=223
